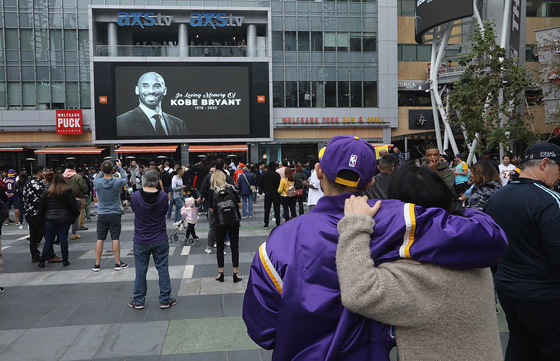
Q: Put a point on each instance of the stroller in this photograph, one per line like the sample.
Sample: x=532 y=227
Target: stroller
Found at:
x=182 y=229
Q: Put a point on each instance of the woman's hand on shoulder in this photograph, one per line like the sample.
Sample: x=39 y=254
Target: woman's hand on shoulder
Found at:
x=359 y=205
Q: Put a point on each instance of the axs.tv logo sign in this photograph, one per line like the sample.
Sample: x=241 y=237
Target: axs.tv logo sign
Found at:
x=143 y=19
x=215 y=20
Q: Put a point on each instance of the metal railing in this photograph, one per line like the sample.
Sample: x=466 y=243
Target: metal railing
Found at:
x=176 y=51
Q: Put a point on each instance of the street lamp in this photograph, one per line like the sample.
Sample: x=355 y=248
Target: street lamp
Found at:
x=30 y=160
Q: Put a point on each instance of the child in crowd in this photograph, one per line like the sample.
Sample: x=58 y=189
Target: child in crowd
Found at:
x=190 y=214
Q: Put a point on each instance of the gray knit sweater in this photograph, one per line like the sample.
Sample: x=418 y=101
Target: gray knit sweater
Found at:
x=438 y=313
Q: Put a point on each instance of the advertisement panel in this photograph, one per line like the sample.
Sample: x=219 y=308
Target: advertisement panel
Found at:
x=69 y=121
x=421 y=119
x=181 y=101
x=431 y=13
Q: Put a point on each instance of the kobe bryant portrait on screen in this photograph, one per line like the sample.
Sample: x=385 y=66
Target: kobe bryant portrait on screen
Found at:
x=148 y=119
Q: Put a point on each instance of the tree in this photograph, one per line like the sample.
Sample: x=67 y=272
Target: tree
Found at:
x=491 y=87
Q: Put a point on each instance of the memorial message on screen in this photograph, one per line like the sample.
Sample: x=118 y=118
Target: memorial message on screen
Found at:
x=431 y=13
x=181 y=101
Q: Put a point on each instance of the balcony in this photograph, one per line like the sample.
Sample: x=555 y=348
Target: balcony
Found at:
x=240 y=51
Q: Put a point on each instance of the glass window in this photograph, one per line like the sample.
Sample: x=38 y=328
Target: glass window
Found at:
x=26 y=36
x=41 y=20
x=71 y=73
x=11 y=19
x=55 y=37
x=356 y=94
x=370 y=42
x=70 y=40
x=14 y=72
x=290 y=40
x=342 y=41
x=85 y=97
x=57 y=94
x=407 y=52
x=370 y=94
x=29 y=95
x=28 y=73
x=291 y=94
x=424 y=52
x=543 y=9
x=44 y=95
x=355 y=42
x=43 y=73
x=303 y=40
x=343 y=94
x=330 y=94
x=278 y=94
x=277 y=41
x=55 y=20
x=318 y=94
x=12 y=39
x=330 y=41
x=25 y=20
x=2 y=95
x=405 y=7
x=316 y=41
x=531 y=53
x=304 y=94
x=72 y=96
x=14 y=95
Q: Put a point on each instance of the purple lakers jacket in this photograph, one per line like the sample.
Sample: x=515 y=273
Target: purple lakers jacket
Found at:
x=292 y=302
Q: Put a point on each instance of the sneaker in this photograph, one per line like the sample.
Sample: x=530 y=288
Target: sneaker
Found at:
x=243 y=217
x=82 y=228
x=266 y=227
x=250 y=216
x=57 y=243
x=20 y=226
x=96 y=268
x=2 y=290
x=176 y=223
x=227 y=244
x=169 y=303
x=136 y=306
x=208 y=250
x=88 y=219
x=75 y=236
x=121 y=266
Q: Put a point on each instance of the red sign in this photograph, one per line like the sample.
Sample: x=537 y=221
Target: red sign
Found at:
x=261 y=99
x=69 y=121
x=553 y=77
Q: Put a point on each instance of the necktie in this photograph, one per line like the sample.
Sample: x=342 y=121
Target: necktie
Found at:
x=159 y=128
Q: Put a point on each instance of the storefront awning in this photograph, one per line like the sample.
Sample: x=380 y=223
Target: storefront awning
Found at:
x=218 y=148
x=148 y=149
x=11 y=149
x=84 y=150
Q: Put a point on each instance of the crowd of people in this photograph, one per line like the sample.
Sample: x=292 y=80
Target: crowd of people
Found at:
x=390 y=252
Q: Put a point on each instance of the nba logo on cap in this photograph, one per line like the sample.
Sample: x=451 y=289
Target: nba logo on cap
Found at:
x=353 y=161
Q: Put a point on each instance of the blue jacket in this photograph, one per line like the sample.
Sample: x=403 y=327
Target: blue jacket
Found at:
x=245 y=185
x=292 y=303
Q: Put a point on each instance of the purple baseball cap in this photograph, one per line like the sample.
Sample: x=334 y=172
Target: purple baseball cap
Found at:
x=347 y=152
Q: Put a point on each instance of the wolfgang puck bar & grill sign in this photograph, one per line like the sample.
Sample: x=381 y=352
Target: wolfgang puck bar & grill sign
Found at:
x=69 y=121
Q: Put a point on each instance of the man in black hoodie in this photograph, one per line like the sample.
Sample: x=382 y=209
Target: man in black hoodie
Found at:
x=269 y=183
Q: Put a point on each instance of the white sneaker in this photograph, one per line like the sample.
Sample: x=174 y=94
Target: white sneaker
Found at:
x=176 y=223
x=228 y=244
x=20 y=226
x=208 y=250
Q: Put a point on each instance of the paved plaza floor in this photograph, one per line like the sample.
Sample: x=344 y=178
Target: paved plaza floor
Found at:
x=72 y=313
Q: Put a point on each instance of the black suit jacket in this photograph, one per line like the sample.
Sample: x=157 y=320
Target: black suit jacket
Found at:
x=136 y=123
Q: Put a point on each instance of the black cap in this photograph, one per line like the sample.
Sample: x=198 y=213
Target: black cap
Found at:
x=541 y=151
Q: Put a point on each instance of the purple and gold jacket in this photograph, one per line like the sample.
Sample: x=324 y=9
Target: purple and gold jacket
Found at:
x=292 y=303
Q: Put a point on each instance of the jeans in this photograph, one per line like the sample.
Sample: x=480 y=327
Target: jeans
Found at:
x=160 y=253
x=289 y=205
x=247 y=200
x=178 y=202
x=77 y=220
x=233 y=232
x=170 y=208
x=54 y=229
x=269 y=200
x=36 y=231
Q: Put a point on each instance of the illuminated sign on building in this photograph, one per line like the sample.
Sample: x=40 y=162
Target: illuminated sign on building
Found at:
x=69 y=121
x=142 y=19
x=215 y=20
x=333 y=120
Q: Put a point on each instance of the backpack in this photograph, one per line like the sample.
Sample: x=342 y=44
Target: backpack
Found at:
x=291 y=192
x=225 y=209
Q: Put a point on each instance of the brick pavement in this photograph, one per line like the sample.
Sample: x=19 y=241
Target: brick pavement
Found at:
x=72 y=313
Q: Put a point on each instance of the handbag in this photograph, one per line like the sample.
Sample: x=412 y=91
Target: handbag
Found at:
x=253 y=188
x=299 y=193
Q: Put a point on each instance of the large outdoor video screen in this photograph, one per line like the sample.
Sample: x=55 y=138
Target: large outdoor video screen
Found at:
x=431 y=13
x=181 y=100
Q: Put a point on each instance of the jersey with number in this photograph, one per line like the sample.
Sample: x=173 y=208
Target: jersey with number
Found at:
x=10 y=186
x=505 y=172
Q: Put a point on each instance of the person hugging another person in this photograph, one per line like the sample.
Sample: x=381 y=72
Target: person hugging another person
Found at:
x=190 y=214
